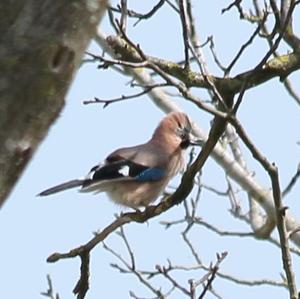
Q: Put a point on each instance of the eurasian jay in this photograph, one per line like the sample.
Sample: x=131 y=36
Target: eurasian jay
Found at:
x=135 y=176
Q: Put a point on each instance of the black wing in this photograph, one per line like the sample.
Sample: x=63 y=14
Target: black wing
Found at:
x=114 y=170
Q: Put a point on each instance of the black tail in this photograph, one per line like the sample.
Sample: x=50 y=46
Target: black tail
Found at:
x=62 y=187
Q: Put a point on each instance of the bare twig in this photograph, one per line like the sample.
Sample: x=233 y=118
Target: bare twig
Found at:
x=131 y=267
x=288 y=86
x=232 y=4
x=140 y=16
x=234 y=201
x=164 y=271
x=148 y=62
x=124 y=13
x=214 y=190
x=122 y=97
x=199 y=266
x=190 y=245
x=233 y=142
x=222 y=232
x=213 y=273
x=222 y=275
x=110 y=62
x=185 y=32
x=264 y=59
x=196 y=49
x=214 y=53
x=225 y=276
x=269 y=38
x=112 y=20
x=292 y=182
x=128 y=247
x=245 y=45
x=50 y=292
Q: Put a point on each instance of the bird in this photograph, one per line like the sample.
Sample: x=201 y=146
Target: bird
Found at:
x=135 y=176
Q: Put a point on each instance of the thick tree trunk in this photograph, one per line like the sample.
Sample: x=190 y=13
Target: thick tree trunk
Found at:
x=41 y=46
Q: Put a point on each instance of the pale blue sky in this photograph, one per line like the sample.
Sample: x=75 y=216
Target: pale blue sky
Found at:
x=32 y=228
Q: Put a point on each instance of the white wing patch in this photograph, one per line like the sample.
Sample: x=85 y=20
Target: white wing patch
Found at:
x=124 y=170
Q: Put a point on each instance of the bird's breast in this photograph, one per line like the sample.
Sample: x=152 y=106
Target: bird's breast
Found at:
x=135 y=194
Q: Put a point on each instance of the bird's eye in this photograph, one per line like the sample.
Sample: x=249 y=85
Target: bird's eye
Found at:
x=183 y=133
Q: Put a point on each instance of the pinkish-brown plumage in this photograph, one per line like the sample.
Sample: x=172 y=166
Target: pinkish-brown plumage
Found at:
x=136 y=176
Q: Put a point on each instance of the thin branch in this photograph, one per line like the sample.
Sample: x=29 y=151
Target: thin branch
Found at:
x=245 y=45
x=214 y=53
x=269 y=37
x=128 y=247
x=148 y=62
x=112 y=20
x=196 y=49
x=132 y=269
x=292 y=183
x=288 y=86
x=263 y=61
x=242 y=14
x=220 y=232
x=235 y=204
x=224 y=233
x=185 y=32
x=124 y=13
x=122 y=97
x=186 y=93
x=232 y=4
x=141 y=16
x=233 y=142
x=110 y=62
x=213 y=273
x=50 y=292
x=213 y=291
x=225 y=276
x=184 y=235
x=194 y=37
x=164 y=271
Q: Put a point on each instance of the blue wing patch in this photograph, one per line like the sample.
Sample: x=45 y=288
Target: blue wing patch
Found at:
x=151 y=175
x=123 y=169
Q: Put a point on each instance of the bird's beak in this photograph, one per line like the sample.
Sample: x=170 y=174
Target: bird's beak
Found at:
x=193 y=140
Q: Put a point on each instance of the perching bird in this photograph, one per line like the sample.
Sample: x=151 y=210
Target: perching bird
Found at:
x=136 y=176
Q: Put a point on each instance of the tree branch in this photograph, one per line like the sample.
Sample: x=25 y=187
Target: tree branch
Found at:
x=280 y=67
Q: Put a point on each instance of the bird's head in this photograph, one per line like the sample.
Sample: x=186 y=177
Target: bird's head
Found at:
x=176 y=130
